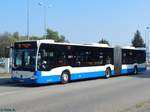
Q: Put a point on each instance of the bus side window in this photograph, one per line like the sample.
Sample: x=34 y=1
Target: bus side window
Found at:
x=108 y=60
x=43 y=53
x=124 y=58
x=101 y=58
x=50 y=54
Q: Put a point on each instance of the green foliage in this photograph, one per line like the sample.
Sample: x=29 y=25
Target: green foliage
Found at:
x=54 y=35
x=103 y=41
x=137 y=41
x=16 y=35
x=4 y=74
x=35 y=38
x=7 y=39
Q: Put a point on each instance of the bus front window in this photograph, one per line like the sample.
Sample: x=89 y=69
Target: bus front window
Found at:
x=24 y=59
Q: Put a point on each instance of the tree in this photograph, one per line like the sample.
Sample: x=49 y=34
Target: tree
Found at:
x=7 y=39
x=35 y=38
x=54 y=35
x=16 y=35
x=5 y=42
x=137 y=41
x=103 y=41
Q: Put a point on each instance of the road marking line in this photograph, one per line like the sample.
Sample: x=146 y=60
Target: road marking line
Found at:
x=10 y=92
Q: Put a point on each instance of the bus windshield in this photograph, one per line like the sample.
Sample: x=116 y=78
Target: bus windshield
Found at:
x=24 y=56
x=24 y=59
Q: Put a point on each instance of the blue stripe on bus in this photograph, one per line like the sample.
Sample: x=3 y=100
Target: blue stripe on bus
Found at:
x=23 y=80
x=46 y=79
x=87 y=75
x=78 y=76
x=75 y=76
x=142 y=69
x=56 y=78
x=128 y=71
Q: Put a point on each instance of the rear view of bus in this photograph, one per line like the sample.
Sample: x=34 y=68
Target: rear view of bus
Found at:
x=24 y=61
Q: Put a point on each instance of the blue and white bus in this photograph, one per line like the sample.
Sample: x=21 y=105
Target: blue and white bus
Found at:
x=46 y=61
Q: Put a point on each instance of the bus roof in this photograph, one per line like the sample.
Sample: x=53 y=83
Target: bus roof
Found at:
x=133 y=48
x=48 y=41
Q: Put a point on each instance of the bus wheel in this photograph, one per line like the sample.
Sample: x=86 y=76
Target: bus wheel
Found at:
x=65 y=77
x=107 y=73
x=135 y=70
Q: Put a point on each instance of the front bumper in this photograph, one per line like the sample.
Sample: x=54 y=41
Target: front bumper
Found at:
x=24 y=80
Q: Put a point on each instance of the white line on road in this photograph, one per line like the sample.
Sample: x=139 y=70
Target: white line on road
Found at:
x=10 y=92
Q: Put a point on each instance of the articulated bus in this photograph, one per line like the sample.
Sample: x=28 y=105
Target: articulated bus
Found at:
x=46 y=61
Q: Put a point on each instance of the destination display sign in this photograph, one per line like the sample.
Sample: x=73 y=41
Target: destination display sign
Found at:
x=25 y=45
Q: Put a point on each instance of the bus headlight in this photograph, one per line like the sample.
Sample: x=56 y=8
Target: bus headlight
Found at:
x=33 y=78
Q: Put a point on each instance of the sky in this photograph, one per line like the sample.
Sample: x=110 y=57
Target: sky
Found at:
x=80 y=21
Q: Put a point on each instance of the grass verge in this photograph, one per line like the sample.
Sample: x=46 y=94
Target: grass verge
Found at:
x=148 y=65
x=4 y=74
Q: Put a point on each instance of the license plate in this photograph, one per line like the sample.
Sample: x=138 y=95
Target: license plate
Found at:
x=21 y=81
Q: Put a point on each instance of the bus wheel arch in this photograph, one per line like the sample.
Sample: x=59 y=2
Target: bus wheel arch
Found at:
x=65 y=77
x=107 y=72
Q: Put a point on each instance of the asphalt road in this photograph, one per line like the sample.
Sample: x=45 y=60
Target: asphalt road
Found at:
x=98 y=95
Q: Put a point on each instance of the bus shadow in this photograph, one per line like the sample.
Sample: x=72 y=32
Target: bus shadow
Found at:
x=4 y=81
x=7 y=82
x=145 y=74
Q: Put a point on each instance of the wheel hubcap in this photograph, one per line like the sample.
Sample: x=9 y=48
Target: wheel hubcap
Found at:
x=65 y=77
x=107 y=73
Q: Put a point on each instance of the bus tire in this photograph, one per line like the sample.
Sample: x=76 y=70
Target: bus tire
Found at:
x=135 y=70
x=65 y=77
x=107 y=73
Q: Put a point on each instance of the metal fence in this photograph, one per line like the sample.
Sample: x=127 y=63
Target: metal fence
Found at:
x=5 y=65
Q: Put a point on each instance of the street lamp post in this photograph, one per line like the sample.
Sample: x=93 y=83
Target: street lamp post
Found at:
x=147 y=42
x=28 y=19
x=45 y=17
